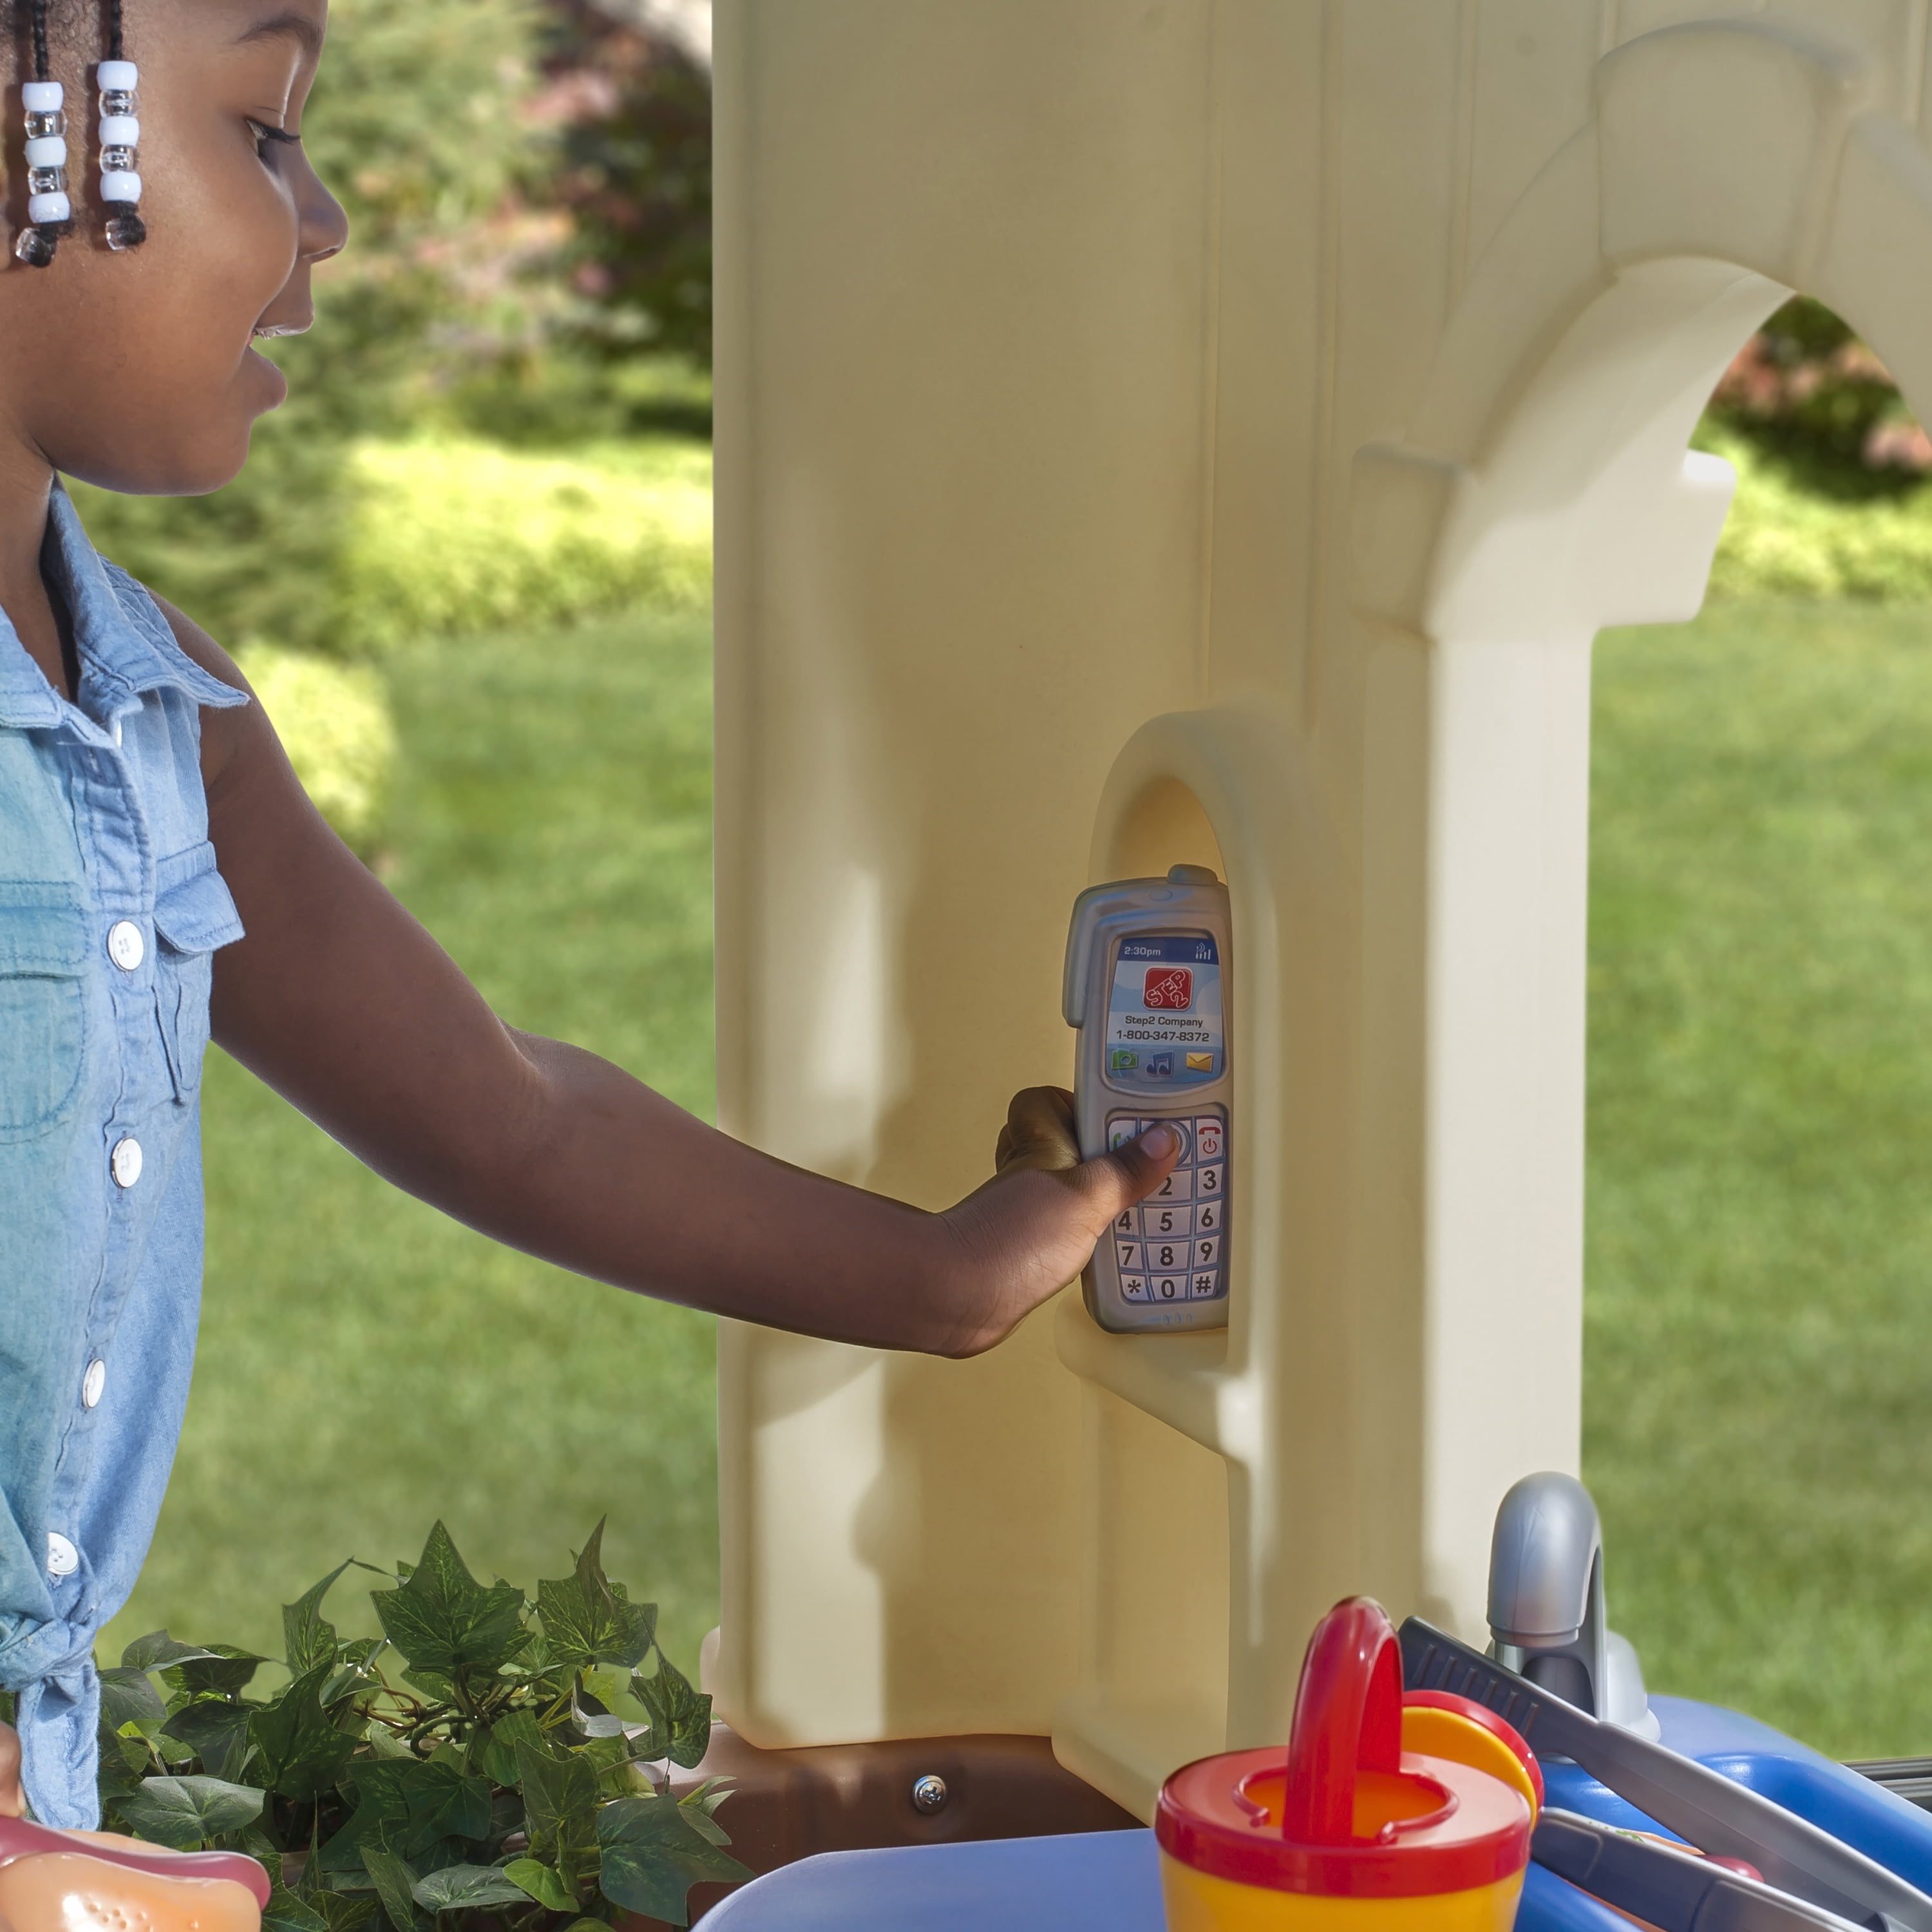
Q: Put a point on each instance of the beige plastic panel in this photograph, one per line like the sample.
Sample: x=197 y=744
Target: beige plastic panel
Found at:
x=1211 y=430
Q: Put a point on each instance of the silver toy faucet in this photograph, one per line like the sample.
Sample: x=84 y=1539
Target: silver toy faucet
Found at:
x=1546 y=1601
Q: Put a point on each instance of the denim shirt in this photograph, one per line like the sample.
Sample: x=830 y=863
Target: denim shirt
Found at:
x=110 y=908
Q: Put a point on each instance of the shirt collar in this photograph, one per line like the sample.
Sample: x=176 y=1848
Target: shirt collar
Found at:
x=124 y=643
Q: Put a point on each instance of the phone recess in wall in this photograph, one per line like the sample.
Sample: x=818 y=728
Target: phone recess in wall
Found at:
x=1147 y=990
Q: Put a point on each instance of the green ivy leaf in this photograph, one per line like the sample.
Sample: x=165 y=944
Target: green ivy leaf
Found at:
x=395 y=1886
x=184 y=1813
x=680 y=1716
x=285 y=1912
x=120 y=1772
x=702 y=1822
x=438 y=1686
x=303 y=1754
x=497 y=1758
x=533 y=1876
x=355 y=1674
x=381 y=1819
x=158 y=1650
x=220 y=1671
x=458 y=1887
x=653 y=1855
x=441 y=1618
x=556 y=1791
x=444 y=1804
x=344 y=1912
x=216 y=1731
x=255 y=1841
x=126 y=1697
x=586 y=1621
x=384 y=1743
x=308 y=1636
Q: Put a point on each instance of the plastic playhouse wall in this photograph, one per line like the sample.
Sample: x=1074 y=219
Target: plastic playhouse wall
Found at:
x=1211 y=430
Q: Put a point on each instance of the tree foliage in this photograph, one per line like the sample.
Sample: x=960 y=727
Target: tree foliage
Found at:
x=635 y=176
x=1809 y=394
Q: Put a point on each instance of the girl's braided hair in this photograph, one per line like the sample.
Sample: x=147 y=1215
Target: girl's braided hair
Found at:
x=49 y=206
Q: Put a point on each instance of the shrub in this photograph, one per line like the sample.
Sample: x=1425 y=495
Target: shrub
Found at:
x=425 y=537
x=1784 y=539
x=451 y=536
x=334 y=723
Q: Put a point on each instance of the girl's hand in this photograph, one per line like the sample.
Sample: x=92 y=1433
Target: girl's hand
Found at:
x=12 y=1799
x=1031 y=1229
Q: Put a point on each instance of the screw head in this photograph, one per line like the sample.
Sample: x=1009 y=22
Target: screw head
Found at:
x=928 y=1793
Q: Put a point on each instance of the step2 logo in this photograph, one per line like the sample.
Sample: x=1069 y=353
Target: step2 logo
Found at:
x=1168 y=988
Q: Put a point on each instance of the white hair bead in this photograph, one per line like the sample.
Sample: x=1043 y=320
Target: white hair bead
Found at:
x=43 y=96
x=119 y=106
x=48 y=152
x=48 y=209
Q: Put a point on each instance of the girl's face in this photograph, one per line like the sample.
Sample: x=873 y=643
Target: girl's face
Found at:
x=136 y=371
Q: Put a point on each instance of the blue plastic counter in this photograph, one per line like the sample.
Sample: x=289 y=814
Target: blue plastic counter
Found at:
x=1109 y=1881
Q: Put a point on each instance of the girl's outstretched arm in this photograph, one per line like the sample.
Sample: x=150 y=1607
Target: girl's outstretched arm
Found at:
x=344 y=1005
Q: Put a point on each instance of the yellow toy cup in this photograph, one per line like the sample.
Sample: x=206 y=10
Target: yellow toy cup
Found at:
x=1439 y=1723
x=1351 y=1833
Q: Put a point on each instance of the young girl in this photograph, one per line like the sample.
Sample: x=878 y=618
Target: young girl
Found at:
x=159 y=863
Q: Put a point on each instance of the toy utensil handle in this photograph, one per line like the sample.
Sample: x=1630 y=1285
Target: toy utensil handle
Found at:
x=20 y=1838
x=1348 y=1718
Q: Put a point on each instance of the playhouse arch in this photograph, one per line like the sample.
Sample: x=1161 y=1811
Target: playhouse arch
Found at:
x=1546 y=491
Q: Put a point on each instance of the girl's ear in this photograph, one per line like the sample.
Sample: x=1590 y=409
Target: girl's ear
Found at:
x=12 y=1799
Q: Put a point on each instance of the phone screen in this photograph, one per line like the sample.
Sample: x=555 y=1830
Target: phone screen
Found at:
x=1164 y=1013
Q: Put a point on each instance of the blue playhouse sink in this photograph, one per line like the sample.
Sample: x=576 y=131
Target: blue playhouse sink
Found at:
x=1109 y=1881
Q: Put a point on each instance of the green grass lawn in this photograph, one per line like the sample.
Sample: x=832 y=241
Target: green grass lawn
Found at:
x=1759 y=1375
x=366 y=1365
x=1758 y=1384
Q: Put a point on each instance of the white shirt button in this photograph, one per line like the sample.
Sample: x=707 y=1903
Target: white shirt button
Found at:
x=126 y=1161
x=63 y=1559
x=125 y=945
x=93 y=1382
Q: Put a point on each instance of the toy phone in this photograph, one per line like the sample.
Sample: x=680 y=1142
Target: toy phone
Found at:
x=1147 y=987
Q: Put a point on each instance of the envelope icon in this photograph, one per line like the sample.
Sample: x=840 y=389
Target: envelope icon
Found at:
x=1201 y=1063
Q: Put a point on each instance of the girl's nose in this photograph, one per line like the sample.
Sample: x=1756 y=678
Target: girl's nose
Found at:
x=324 y=226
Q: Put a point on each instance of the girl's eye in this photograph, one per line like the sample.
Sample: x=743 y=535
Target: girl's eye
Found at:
x=266 y=137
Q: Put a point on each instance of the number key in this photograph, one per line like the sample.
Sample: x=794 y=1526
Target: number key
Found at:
x=1167 y=1221
x=1207 y=1218
x=1179 y=1185
x=1207 y=1181
x=1171 y=1288
x=1128 y=1255
x=1207 y=1253
x=1166 y=1255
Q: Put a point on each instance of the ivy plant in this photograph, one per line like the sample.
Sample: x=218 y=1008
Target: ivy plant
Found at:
x=487 y=1761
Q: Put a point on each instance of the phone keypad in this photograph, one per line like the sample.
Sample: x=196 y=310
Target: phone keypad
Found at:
x=1170 y=1248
